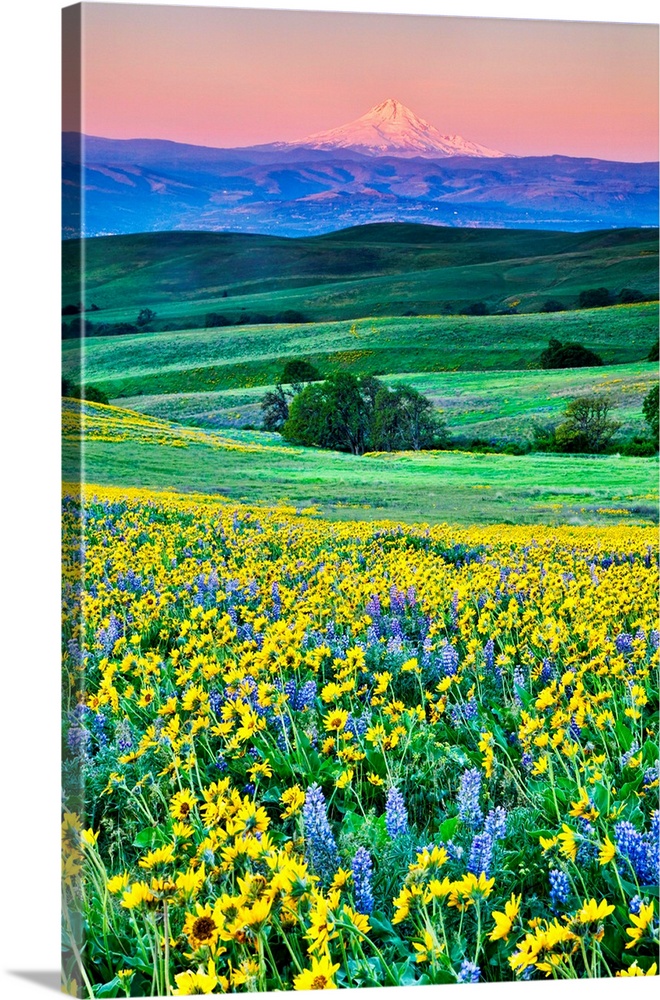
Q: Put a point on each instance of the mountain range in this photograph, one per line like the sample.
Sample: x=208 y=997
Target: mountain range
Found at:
x=387 y=166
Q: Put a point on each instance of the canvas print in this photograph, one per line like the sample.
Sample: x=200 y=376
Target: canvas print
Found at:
x=360 y=500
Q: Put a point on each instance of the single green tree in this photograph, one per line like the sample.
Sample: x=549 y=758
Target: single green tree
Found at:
x=650 y=410
x=586 y=426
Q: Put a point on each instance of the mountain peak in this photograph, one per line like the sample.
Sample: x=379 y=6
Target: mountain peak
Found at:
x=391 y=127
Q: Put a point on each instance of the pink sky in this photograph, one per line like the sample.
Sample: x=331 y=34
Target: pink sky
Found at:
x=223 y=77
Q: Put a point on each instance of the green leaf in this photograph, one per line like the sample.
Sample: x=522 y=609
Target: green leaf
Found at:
x=448 y=827
x=110 y=989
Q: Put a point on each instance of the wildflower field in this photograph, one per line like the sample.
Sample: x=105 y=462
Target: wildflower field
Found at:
x=305 y=754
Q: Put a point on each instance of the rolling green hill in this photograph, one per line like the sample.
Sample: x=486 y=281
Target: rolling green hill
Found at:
x=244 y=356
x=383 y=269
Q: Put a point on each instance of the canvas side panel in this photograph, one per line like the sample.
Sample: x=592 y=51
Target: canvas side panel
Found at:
x=74 y=977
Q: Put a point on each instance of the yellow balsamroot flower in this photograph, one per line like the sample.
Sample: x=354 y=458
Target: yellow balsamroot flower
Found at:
x=250 y=818
x=117 y=883
x=428 y=949
x=138 y=893
x=359 y=920
x=375 y=779
x=640 y=922
x=160 y=856
x=470 y=888
x=189 y=983
x=191 y=881
x=322 y=921
x=182 y=803
x=345 y=778
x=335 y=721
x=405 y=901
x=504 y=921
x=341 y=878
x=319 y=977
x=541 y=765
x=591 y=911
x=607 y=852
x=88 y=838
x=293 y=799
x=634 y=970
x=427 y=861
x=584 y=806
x=567 y=842
x=202 y=928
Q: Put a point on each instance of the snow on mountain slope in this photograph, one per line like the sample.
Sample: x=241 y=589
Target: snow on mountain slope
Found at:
x=391 y=127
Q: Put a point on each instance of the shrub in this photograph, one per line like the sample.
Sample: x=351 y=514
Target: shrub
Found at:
x=654 y=352
x=627 y=296
x=592 y=298
x=552 y=306
x=476 y=309
x=558 y=355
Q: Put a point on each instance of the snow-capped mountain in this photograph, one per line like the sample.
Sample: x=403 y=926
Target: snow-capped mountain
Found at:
x=390 y=128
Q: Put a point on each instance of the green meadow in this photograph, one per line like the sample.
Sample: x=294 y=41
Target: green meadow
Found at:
x=450 y=486
x=355 y=288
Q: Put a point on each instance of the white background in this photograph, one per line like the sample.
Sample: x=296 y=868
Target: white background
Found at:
x=29 y=549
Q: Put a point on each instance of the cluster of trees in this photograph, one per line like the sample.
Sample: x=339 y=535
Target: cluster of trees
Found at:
x=81 y=327
x=588 y=298
x=214 y=319
x=72 y=390
x=350 y=413
x=569 y=355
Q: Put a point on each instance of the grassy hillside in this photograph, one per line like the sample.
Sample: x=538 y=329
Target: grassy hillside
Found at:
x=348 y=274
x=129 y=449
x=236 y=357
x=474 y=404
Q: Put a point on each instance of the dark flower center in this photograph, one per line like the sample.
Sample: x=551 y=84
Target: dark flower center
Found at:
x=203 y=928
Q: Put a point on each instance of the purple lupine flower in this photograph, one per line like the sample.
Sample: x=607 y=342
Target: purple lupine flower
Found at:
x=518 y=683
x=469 y=810
x=468 y=972
x=275 y=597
x=481 y=854
x=449 y=659
x=397 y=600
x=635 y=904
x=396 y=816
x=527 y=760
x=372 y=607
x=362 y=869
x=624 y=643
x=635 y=847
x=320 y=844
x=123 y=735
x=306 y=695
x=547 y=671
x=654 y=638
x=495 y=823
x=453 y=612
x=575 y=729
x=98 y=724
x=220 y=762
x=489 y=655
x=560 y=887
